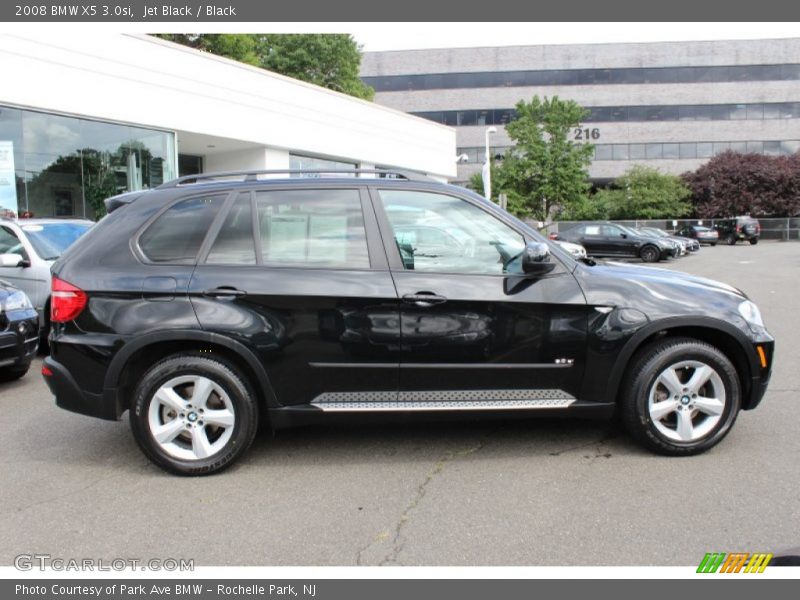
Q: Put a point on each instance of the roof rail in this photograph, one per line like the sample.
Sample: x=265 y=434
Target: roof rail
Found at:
x=251 y=176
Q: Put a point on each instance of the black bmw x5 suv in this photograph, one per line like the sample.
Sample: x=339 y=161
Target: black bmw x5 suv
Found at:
x=216 y=303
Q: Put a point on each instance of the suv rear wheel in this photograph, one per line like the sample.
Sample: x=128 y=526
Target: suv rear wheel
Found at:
x=681 y=398
x=193 y=415
x=731 y=239
x=753 y=241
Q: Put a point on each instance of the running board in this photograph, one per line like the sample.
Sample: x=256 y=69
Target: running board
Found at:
x=442 y=400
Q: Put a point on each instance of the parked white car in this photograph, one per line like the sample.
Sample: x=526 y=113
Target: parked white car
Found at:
x=28 y=247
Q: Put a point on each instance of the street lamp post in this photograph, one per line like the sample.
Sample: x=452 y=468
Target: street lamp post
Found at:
x=487 y=165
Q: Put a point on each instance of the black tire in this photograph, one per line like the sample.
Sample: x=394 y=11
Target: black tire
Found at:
x=13 y=373
x=220 y=372
x=649 y=363
x=650 y=254
x=712 y=244
x=731 y=240
x=753 y=241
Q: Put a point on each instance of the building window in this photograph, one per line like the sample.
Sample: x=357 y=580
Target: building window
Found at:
x=636 y=151
x=560 y=77
x=653 y=151
x=298 y=162
x=705 y=150
x=65 y=166
x=688 y=150
x=601 y=114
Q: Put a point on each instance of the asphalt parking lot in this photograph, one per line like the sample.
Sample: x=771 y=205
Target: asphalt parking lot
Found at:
x=533 y=492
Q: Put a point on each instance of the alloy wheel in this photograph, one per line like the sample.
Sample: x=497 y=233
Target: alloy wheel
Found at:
x=191 y=417
x=686 y=401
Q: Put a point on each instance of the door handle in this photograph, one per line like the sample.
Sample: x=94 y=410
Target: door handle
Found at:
x=424 y=299
x=224 y=293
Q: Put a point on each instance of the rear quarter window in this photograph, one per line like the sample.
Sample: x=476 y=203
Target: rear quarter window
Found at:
x=177 y=234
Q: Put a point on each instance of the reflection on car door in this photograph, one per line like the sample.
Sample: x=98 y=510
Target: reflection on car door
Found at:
x=301 y=276
x=472 y=328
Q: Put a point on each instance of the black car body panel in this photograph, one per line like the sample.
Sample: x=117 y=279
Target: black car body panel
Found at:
x=304 y=334
x=645 y=301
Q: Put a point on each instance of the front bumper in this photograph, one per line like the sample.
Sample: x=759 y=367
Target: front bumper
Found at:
x=19 y=339
x=762 y=373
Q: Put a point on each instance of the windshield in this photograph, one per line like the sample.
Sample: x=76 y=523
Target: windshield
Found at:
x=51 y=239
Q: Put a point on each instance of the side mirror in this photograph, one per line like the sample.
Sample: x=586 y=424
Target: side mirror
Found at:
x=13 y=260
x=623 y=236
x=536 y=259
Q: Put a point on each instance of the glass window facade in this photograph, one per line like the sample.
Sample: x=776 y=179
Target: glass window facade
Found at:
x=312 y=163
x=562 y=77
x=659 y=150
x=66 y=166
x=631 y=114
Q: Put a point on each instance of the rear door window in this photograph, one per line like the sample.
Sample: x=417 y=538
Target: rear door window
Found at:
x=312 y=228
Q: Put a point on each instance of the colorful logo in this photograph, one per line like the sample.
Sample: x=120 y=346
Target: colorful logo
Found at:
x=734 y=562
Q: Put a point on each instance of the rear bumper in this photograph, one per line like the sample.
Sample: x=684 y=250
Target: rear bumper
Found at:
x=70 y=397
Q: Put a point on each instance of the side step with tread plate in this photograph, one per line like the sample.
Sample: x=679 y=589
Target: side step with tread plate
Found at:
x=443 y=400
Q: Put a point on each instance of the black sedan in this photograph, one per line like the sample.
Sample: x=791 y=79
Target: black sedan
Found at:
x=613 y=240
x=19 y=332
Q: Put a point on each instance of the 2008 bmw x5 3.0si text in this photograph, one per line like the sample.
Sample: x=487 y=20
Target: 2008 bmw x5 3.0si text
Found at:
x=214 y=303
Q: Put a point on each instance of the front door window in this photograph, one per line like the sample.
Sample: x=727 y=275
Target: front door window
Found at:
x=439 y=233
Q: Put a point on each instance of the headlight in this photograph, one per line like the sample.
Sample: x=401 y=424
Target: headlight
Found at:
x=17 y=301
x=751 y=314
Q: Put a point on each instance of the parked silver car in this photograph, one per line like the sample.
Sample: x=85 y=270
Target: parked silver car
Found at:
x=27 y=249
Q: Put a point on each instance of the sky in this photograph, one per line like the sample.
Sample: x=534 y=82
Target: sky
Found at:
x=396 y=36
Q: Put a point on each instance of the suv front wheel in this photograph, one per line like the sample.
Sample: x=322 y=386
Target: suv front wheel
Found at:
x=681 y=397
x=193 y=415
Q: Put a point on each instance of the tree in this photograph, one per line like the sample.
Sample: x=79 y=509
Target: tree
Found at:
x=732 y=183
x=545 y=173
x=330 y=60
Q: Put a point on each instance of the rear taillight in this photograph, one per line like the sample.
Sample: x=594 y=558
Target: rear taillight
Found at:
x=66 y=301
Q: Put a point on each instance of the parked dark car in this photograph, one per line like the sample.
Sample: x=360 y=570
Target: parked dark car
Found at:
x=19 y=332
x=704 y=235
x=739 y=228
x=613 y=240
x=215 y=303
x=688 y=244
